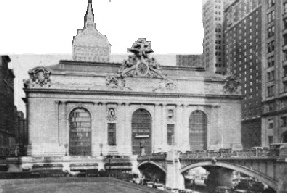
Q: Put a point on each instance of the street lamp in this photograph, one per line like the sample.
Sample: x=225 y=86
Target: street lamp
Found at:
x=140 y=148
x=101 y=146
x=66 y=148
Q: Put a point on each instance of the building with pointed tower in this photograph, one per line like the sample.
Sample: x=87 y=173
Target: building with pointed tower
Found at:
x=89 y=44
x=80 y=111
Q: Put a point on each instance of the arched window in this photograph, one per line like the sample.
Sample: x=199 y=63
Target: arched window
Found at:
x=198 y=130
x=80 y=132
x=141 y=132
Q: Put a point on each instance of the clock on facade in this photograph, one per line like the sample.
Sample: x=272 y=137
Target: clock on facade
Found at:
x=142 y=68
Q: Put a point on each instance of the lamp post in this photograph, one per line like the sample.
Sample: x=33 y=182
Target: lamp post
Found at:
x=173 y=160
x=66 y=148
x=101 y=146
x=140 y=148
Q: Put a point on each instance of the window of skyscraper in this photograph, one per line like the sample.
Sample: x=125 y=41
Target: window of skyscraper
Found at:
x=285 y=71
x=271 y=3
x=270 y=91
x=285 y=39
x=285 y=86
x=283 y=121
x=285 y=7
x=270 y=61
x=271 y=31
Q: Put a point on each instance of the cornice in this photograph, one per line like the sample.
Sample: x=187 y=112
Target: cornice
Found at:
x=129 y=93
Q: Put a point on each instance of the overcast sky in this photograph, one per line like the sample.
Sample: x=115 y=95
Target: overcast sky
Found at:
x=48 y=26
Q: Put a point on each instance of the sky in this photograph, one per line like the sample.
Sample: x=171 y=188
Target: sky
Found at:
x=48 y=26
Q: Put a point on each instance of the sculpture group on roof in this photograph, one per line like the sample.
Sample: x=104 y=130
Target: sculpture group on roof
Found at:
x=140 y=64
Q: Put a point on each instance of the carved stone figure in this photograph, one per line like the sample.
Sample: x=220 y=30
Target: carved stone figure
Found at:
x=39 y=76
x=111 y=114
x=232 y=85
x=111 y=81
x=140 y=64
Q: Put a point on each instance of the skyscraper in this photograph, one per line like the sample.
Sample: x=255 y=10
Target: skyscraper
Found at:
x=255 y=34
x=212 y=16
x=89 y=44
x=243 y=55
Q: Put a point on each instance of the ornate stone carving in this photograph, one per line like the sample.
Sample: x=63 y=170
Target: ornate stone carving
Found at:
x=170 y=85
x=111 y=113
x=140 y=64
x=111 y=81
x=115 y=82
x=167 y=84
x=38 y=76
x=232 y=85
x=170 y=114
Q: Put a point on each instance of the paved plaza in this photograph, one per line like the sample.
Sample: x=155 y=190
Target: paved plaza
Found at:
x=72 y=185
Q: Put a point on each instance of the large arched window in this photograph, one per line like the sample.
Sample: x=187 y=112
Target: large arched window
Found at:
x=80 y=132
x=198 y=130
x=141 y=132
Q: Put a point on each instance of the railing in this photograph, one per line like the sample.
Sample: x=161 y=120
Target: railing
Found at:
x=154 y=156
x=271 y=153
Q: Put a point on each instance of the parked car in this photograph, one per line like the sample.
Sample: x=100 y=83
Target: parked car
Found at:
x=160 y=186
x=223 y=189
x=174 y=190
x=150 y=184
x=138 y=180
x=240 y=191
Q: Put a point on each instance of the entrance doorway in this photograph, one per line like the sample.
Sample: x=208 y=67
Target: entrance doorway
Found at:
x=80 y=132
x=141 y=132
x=198 y=130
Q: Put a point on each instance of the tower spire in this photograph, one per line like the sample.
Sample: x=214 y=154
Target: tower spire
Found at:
x=89 y=19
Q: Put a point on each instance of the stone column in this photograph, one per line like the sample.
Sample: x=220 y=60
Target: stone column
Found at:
x=95 y=145
x=57 y=118
x=215 y=138
x=156 y=130
x=102 y=128
x=65 y=129
x=29 y=126
x=178 y=127
x=127 y=128
x=174 y=179
x=163 y=128
x=63 y=133
x=185 y=129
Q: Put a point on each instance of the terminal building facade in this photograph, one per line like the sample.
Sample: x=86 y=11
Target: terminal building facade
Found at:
x=86 y=109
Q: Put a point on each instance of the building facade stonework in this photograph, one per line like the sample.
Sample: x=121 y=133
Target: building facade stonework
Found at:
x=133 y=108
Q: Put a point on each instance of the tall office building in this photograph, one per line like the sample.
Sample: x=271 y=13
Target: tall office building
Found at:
x=243 y=55
x=274 y=84
x=7 y=132
x=255 y=34
x=212 y=19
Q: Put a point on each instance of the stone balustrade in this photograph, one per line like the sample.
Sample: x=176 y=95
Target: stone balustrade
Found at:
x=238 y=154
